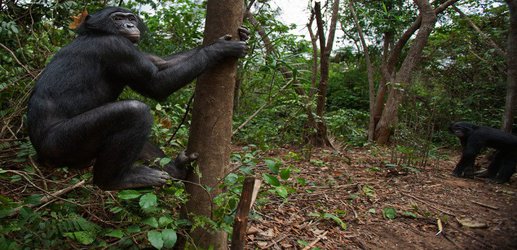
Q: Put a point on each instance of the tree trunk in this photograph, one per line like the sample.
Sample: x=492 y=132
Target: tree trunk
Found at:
x=391 y=56
x=211 y=130
x=511 y=92
x=403 y=77
x=320 y=139
x=369 y=66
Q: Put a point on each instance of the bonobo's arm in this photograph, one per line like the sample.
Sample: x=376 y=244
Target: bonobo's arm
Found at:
x=162 y=77
x=472 y=146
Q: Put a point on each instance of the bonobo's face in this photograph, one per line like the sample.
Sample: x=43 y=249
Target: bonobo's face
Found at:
x=457 y=131
x=127 y=25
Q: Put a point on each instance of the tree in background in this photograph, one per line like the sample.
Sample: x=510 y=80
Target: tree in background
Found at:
x=511 y=92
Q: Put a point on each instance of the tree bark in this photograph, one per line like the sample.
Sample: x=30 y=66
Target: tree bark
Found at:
x=320 y=139
x=369 y=66
x=211 y=129
x=391 y=54
x=403 y=77
x=511 y=91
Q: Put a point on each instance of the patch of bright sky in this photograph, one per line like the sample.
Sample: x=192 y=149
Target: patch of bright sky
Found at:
x=294 y=12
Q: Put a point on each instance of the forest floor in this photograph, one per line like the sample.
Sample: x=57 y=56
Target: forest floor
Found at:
x=355 y=187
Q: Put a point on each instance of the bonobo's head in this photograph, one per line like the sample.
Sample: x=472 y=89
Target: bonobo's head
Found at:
x=113 y=20
x=462 y=129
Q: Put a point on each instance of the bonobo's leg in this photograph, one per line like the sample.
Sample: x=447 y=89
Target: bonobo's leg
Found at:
x=508 y=164
x=177 y=169
x=494 y=166
x=113 y=135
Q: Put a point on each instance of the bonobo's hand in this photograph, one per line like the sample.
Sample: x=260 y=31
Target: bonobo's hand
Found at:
x=226 y=47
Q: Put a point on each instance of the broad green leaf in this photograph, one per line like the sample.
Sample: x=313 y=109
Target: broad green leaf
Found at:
x=169 y=237
x=281 y=191
x=272 y=165
x=128 y=194
x=271 y=180
x=164 y=161
x=164 y=221
x=285 y=173
x=115 y=233
x=151 y=221
x=155 y=238
x=148 y=201
x=389 y=213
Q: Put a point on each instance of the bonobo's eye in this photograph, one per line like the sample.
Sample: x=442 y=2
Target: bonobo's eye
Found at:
x=132 y=19
x=118 y=18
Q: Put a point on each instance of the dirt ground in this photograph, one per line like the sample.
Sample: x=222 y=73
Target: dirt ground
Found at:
x=473 y=213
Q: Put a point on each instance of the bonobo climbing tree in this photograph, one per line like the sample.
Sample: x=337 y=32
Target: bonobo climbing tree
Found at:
x=211 y=129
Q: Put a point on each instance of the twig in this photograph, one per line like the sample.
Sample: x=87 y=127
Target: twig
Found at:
x=187 y=109
x=484 y=205
x=260 y=109
x=18 y=61
x=431 y=205
x=315 y=241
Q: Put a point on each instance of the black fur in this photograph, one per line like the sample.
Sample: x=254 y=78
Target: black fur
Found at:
x=74 y=117
x=473 y=139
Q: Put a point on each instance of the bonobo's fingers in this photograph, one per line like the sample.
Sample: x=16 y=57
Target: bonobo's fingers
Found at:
x=244 y=33
x=138 y=177
x=456 y=173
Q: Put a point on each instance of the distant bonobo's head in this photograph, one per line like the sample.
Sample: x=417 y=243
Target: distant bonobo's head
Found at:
x=462 y=129
x=115 y=21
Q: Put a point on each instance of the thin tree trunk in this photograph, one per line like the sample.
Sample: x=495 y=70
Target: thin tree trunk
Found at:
x=211 y=130
x=511 y=91
x=369 y=66
x=321 y=138
x=403 y=77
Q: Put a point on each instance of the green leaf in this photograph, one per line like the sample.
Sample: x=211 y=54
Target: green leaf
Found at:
x=389 y=213
x=148 y=201
x=151 y=221
x=272 y=165
x=155 y=238
x=115 y=233
x=164 y=161
x=271 y=180
x=158 y=107
x=128 y=194
x=169 y=237
x=281 y=191
x=83 y=237
x=164 y=221
x=285 y=173
x=335 y=219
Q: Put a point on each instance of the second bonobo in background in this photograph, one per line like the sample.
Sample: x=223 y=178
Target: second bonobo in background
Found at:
x=75 y=119
x=473 y=139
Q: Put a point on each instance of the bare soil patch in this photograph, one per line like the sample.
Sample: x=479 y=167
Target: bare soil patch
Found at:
x=356 y=186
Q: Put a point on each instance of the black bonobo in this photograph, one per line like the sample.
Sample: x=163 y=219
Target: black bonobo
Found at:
x=473 y=139
x=75 y=119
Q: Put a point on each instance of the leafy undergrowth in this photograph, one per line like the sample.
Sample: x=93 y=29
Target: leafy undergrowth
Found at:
x=355 y=199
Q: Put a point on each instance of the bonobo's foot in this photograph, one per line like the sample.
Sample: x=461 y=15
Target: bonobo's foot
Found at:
x=179 y=168
x=468 y=173
x=457 y=173
x=484 y=174
x=136 y=177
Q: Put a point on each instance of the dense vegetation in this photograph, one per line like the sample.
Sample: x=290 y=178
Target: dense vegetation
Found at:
x=461 y=77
